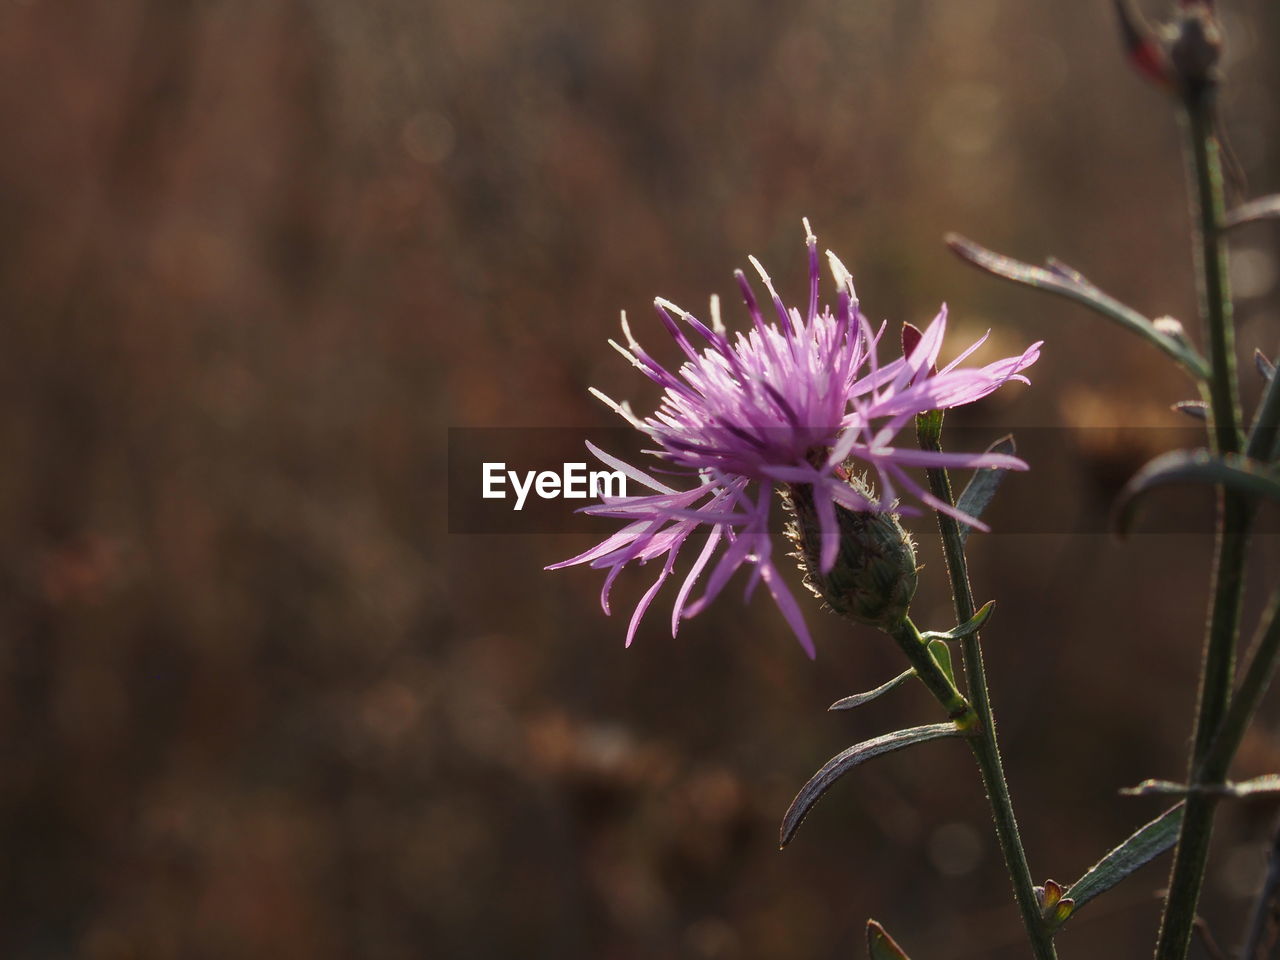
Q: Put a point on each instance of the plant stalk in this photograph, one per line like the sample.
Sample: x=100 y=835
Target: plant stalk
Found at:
x=1244 y=703
x=1234 y=515
x=985 y=745
x=940 y=685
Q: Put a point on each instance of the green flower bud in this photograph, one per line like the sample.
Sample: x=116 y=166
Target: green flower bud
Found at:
x=874 y=577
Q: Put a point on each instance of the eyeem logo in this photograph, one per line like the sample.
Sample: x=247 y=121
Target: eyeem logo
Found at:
x=573 y=482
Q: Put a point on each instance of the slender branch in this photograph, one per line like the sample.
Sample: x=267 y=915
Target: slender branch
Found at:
x=1257 y=677
x=940 y=685
x=985 y=745
x=1207 y=940
x=1224 y=412
x=1266 y=907
x=1212 y=284
x=1234 y=515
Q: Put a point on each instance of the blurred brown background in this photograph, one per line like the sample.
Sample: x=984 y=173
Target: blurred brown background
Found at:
x=257 y=257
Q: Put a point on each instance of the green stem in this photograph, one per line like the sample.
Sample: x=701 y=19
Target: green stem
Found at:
x=940 y=685
x=1257 y=677
x=985 y=745
x=1211 y=272
x=1234 y=515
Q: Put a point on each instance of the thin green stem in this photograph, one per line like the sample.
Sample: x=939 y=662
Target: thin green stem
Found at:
x=1212 y=285
x=1257 y=677
x=1234 y=515
x=940 y=685
x=985 y=745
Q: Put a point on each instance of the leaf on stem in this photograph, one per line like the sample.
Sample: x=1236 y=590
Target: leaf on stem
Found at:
x=1143 y=846
x=881 y=946
x=1195 y=409
x=1266 y=369
x=977 y=496
x=1239 y=474
x=1261 y=209
x=845 y=761
x=966 y=629
x=941 y=654
x=858 y=699
x=1069 y=283
x=1264 y=434
x=1167 y=788
x=1264 y=786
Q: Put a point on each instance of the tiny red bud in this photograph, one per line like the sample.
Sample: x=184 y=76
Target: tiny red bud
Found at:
x=1143 y=48
x=911 y=337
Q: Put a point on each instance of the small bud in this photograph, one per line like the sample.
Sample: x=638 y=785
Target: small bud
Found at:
x=911 y=337
x=1170 y=327
x=1052 y=893
x=874 y=577
x=1197 y=47
x=1183 y=56
x=1143 y=48
x=1266 y=369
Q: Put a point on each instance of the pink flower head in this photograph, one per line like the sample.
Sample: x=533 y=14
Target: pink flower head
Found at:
x=801 y=400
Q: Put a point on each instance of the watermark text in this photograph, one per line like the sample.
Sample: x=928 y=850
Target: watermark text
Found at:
x=573 y=482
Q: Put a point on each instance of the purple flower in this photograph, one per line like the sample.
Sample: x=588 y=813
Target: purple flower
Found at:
x=800 y=401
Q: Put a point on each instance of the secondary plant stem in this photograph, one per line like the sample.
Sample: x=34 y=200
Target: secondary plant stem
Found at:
x=985 y=746
x=1257 y=677
x=940 y=685
x=1234 y=515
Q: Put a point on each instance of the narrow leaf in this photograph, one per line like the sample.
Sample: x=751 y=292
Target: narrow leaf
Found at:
x=976 y=497
x=941 y=654
x=1067 y=272
x=1266 y=785
x=1264 y=434
x=1195 y=409
x=1266 y=369
x=858 y=699
x=1147 y=788
x=1143 y=846
x=843 y=762
x=881 y=946
x=968 y=628
x=1260 y=209
x=974 y=623
x=1237 y=473
x=1068 y=283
